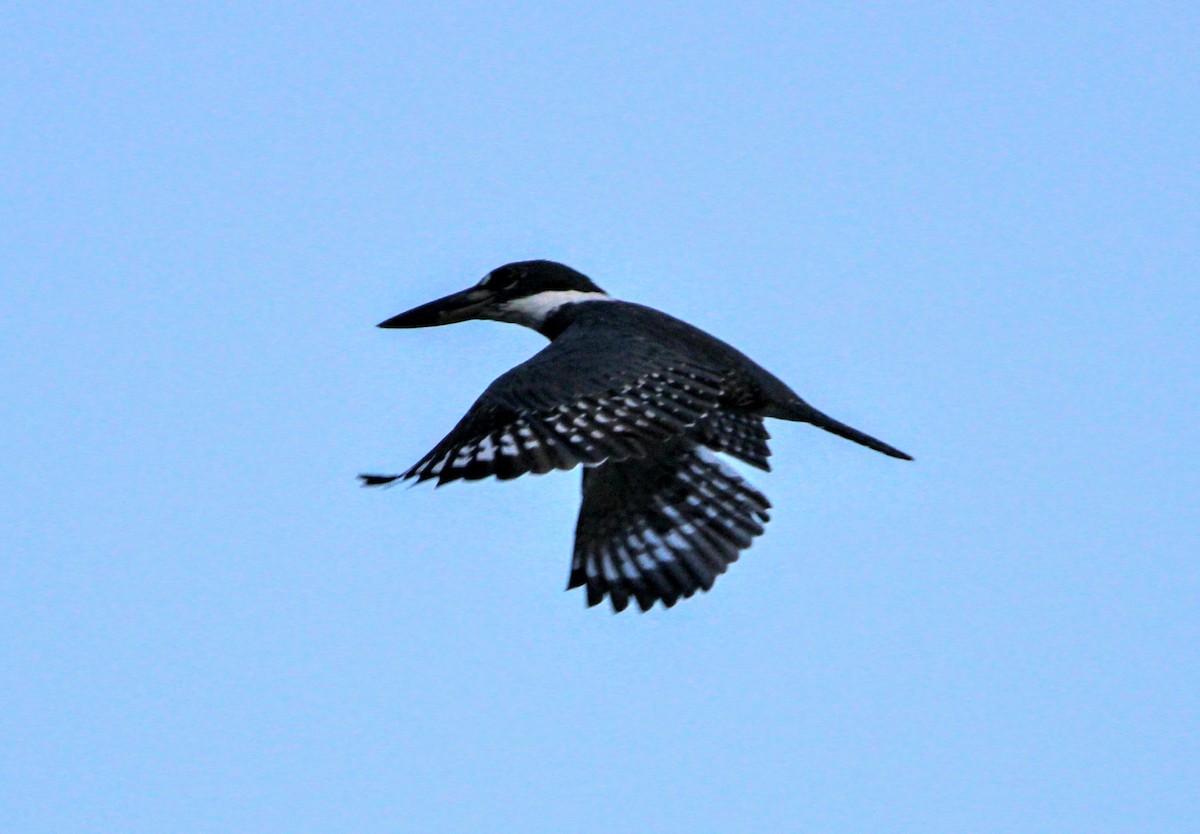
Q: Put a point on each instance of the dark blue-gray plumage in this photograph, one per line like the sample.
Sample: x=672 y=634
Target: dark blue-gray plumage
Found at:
x=644 y=402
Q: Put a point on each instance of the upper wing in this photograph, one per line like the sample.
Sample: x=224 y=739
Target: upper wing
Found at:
x=739 y=434
x=579 y=400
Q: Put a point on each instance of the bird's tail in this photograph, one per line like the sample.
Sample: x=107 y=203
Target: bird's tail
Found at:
x=804 y=412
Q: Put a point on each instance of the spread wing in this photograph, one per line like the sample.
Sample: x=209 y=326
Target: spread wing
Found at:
x=580 y=400
x=659 y=528
x=739 y=434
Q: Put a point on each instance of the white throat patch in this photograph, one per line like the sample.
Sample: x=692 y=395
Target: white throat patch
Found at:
x=533 y=310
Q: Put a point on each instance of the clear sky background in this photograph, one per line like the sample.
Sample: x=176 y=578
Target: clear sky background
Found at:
x=970 y=230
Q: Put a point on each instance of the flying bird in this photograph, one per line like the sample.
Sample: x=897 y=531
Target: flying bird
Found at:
x=645 y=402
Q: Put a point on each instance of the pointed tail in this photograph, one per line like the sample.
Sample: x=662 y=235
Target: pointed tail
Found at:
x=804 y=412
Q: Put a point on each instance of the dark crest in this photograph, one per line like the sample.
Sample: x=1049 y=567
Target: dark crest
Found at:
x=530 y=277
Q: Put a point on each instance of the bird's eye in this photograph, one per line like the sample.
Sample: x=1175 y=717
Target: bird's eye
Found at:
x=498 y=280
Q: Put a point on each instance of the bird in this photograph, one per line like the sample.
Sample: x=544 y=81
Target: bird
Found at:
x=647 y=404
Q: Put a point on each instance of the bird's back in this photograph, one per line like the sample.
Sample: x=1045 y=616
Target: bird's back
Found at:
x=747 y=386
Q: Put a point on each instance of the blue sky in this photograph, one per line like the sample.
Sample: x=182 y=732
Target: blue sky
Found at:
x=968 y=230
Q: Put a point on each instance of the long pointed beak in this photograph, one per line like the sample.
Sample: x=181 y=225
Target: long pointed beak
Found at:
x=459 y=306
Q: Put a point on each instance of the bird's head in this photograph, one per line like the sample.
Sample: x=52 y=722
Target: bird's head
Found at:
x=525 y=292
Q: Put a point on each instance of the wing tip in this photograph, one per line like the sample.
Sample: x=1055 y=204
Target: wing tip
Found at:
x=372 y=480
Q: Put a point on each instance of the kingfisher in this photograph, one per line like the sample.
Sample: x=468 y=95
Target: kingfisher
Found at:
x=646 y=403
